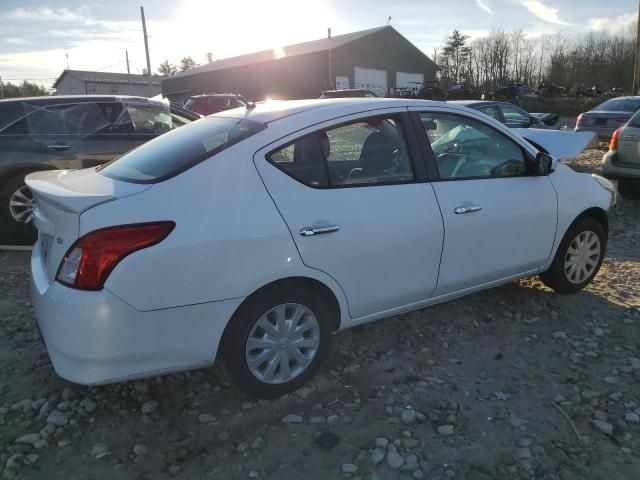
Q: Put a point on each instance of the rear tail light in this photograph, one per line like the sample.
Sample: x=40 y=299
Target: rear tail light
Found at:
x=92 y=257
x=580 y=120
x=613 y=145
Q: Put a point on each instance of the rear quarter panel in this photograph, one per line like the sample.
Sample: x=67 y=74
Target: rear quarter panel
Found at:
x=229 y=238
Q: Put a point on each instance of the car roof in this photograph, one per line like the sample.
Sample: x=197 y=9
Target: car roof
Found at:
x=50 y=99
x=266 y=112
x=219 y=95
x=469 y=103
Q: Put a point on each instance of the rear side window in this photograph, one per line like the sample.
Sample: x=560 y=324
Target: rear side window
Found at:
x=180 y=149
x=367 y=152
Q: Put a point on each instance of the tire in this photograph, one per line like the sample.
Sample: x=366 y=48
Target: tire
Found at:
x=560 y=277
x=246 y=324
x=629 y=189
x=12 y=231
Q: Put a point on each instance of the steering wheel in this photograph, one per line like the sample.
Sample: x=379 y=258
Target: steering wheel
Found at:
x=507 y=169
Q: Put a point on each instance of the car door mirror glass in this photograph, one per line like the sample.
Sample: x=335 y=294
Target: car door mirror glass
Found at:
x=544 y=164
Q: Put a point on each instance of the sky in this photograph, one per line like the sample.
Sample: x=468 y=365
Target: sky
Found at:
x=36 y=36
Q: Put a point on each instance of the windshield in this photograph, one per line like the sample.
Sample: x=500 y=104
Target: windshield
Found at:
x=179 y=150
x=619 y=105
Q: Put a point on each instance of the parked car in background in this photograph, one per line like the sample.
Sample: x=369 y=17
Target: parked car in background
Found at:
x=622 y=161
x=511 y=115
x=348 y=93
x=69 y=132
x=208 y=104
x=463 y=92
x=245 y=233
x=607 y=117
x=509 y=90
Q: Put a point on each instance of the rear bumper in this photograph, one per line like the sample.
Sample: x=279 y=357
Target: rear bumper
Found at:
x=614 y=169
x=94 y=337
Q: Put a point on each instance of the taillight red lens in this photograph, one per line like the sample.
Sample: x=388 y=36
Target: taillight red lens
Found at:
x=613 y=144
x=579 y=120
x=91 y=259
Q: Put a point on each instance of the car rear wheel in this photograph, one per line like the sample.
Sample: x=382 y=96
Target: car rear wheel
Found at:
x=629 y=189
x=578 y=258
x=277 y=340
x=16 y=212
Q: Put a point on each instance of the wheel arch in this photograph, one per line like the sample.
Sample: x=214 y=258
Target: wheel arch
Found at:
x=596 y=213
x=306 y=282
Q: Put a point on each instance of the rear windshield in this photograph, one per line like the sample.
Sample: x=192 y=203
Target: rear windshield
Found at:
x=180 y=149
x=618 y=105
x=635 y=121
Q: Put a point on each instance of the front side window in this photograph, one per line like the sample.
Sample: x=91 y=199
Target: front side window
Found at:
x=466 y=148
x=490 y=110
x=514 y=117
x=150 y=119
x=369 y=152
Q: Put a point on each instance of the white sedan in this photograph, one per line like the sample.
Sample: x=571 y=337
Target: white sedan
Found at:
x=253 y=234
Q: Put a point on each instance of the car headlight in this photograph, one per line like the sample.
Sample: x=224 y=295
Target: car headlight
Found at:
x=607 y=185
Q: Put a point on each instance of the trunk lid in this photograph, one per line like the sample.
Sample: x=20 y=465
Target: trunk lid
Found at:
x=560 y=144
x=605 y=119
x=60 y=197
x=629 y=146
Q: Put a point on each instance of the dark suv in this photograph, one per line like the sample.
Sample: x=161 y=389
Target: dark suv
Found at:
x=215 y=102
x=69 y=132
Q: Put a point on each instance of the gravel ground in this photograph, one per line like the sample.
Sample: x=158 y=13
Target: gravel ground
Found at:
x=515 y=382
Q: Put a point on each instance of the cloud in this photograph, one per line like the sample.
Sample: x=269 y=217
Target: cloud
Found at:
x=544 y=12
x=42 y=14
x=599 y=24
x=481 y=4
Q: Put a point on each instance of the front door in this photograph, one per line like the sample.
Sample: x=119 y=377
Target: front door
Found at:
x=358 y=211
x=499 y=219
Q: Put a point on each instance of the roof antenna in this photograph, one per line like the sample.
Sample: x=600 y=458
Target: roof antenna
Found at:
x=389 y=20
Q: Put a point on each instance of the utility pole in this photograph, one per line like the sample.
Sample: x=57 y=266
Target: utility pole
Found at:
x=332 y=83
x=146 y=49
x=1 y=88
x=126 y=53
x=636 y=64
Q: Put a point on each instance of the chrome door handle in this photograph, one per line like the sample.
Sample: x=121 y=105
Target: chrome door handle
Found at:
x=58 y=147
x=310 y=231
x=469 y=209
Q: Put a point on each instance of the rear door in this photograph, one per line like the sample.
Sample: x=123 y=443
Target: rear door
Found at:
x=359 y=208
x=500 y=221
x=80 y=135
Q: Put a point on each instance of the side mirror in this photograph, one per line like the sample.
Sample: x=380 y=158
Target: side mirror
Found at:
x=532 y=121
x=544 y=164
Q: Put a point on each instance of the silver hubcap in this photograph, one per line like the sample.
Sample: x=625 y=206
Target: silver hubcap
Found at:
x=582 y=257
x=282 y=343
x=21 y=205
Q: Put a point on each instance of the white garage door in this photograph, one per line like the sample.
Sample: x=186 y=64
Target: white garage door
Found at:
x=411 y=81
x=371 y=79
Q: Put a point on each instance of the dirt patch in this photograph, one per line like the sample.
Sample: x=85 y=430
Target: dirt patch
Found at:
x=514 y=382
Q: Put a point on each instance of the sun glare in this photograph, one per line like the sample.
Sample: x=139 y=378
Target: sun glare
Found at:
x=220 y=28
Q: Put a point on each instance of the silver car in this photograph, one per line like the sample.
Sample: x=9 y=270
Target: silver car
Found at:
x=607 y=117
x=622 y=161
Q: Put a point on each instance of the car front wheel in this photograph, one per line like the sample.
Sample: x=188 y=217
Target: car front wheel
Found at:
x=277 y=340
x=578 y=258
